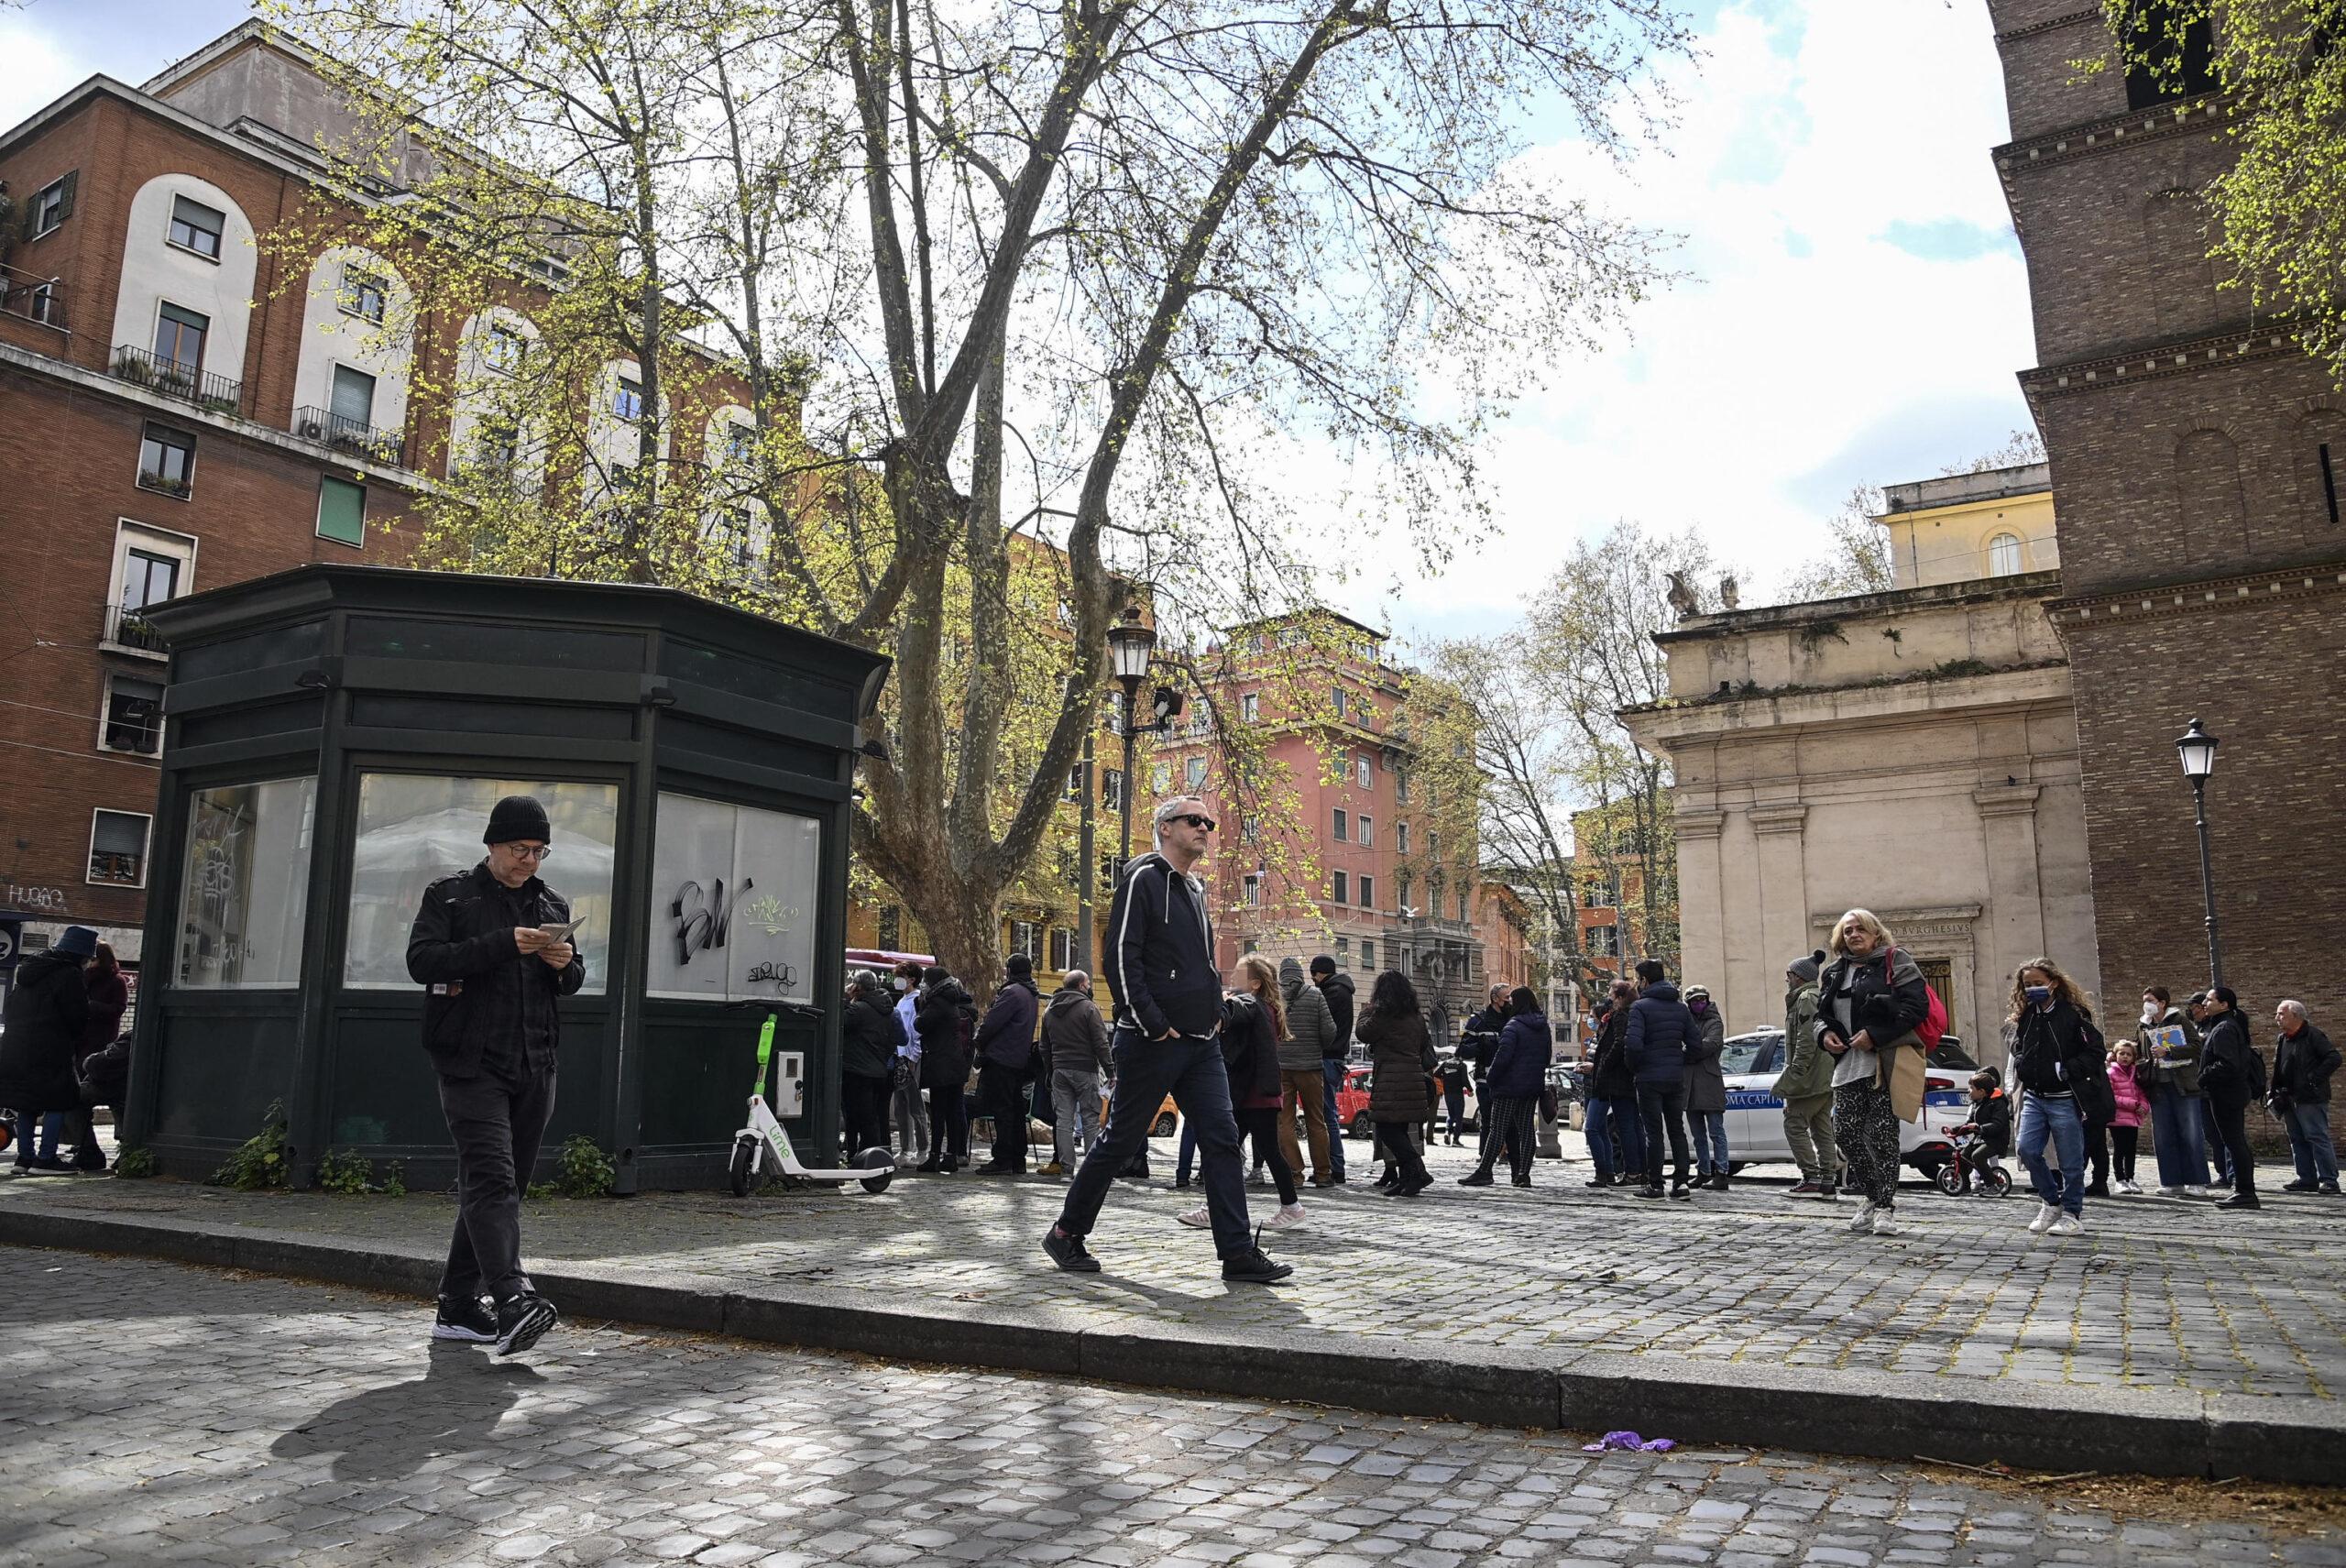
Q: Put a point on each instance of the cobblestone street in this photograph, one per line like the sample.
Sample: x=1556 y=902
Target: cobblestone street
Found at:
x=165 y=1414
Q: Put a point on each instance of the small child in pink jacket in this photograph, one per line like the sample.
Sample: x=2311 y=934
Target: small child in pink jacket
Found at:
x=2126 y=1126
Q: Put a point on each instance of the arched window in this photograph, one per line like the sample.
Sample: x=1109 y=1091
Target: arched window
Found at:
x=2003 y=556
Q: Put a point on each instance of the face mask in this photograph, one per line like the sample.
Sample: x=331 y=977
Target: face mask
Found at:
x=2150 y=1012
x=903 y=984
x=2039 y=994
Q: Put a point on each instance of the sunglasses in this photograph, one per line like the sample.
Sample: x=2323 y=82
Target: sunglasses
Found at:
x=1194 y=820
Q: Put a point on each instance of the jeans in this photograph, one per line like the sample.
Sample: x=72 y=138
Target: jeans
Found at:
x=497 y=1127
x=1190 y=1068
x=912 y=1122
x=1608 y=1120
x=2056 y=1119
x=1808 y=1133
x=2309 y=1143
x=1002 y=1091
x=1709 y=1128
x=1454 y=1102
x=1663 y=1106
x=1304 y=1090
x=2176 y=1138
x=1075 y=1094
x=1331 y=1073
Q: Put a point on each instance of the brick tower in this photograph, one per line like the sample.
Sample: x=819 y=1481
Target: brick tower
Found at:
x=2199 y=462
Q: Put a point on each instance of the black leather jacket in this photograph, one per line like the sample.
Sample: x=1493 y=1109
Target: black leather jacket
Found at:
x=489 y=1005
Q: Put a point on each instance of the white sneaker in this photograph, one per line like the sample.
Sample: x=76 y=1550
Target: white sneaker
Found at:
x=1861 y=1222
x=1197 y=1218
x=2066 y=1225
x=1882 y=1225
x=2046 y=1214
x=1290 y=1216
x=2200 y=1191
x=2173 y=1191
x=2131 y=1188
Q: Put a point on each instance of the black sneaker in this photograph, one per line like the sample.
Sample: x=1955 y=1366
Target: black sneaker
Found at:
x=1650 y=1189
x=472 y=1320
x=520 y=1320
x=1068 y=1252
x=1522 y=1181
x=2329 y=1190
x=1252 y=1268
x=1475 y=1178
x=2300 y=1185
x=1681 y=1190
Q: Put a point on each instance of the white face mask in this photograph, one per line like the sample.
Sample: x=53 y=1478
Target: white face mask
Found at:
x=2150 y=1012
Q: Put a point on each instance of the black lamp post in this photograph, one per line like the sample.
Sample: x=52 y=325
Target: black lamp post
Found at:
x=1130 y=643
x=2197 y=749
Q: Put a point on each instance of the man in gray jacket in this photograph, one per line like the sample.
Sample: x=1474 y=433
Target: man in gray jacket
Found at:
x=1075 y=1045
x=1311 y=1029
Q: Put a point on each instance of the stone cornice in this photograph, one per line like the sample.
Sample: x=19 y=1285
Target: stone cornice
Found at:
x=2084 y=611
x=1698 y=824
x=2135 y=127
x=2186 y=357
x=2050 y=24
x=1779 y=818
x=2007 y=800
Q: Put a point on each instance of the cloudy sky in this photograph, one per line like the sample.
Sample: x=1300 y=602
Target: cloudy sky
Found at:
x=1855 y=309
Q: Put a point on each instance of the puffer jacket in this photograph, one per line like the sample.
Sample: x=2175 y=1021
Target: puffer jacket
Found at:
x=1519 y=1066
x=1006 y=1038
x=1310 y=1028
x=945 y=1020
x=1249 y=1052
x=486 y=1002
x=1706 y=1084
x=1075 y=1037
x=1609 y=1074
x=1808 y=1066
x=2126 y=1089
x=1401 y=1055
x=868 y=1038
x=48 y=1008
x=1660 y=1030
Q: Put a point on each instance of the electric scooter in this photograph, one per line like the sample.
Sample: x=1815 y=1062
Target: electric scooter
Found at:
x=765 y=1136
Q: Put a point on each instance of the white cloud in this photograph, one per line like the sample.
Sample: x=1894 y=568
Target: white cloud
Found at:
x=40 y=66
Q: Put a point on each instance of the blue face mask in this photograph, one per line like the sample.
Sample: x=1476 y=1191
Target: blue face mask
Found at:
x=2040 y=994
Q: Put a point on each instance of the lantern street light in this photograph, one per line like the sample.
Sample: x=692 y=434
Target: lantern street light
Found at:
x=1130 y=644
x=2197 y=749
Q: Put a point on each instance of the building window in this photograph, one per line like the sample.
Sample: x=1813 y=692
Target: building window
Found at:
x=1401 y=785
x=180 y=334
x=504 y=349
x=1368 y=952
x=1075 y=782
x=1368 y=893
x=342 y=511
x=1250 y=890
x=1062 y=949
x=1344 y=952
x=1462 y=907
x=52 y=205
x=134 y=720
x=741 y=444
x=1401 y=838
x=628 y=403
x=1026 y=940
x=362 y=293
x=1160 y=778
x=354 y=401
x=149 y=578
x=166 y=461
x=119 y=847
x=197 y=227
x=1250 y=830
x=891 y=927
x=1343 y=885
x=1195 y=772
x=1404 y=896
x=1368 y=832
x=2180 y=64
x=1364 y=773
x=1249 y=945
x=1433 y=845
x=1112 y=788
x=2003 y=556
x=1338 y=695
x=1343 y=828
x=1250 y=707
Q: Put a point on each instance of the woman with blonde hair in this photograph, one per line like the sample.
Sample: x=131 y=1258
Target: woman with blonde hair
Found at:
x=2058 y=1056
x=1254 y=1021
x=1870 y=998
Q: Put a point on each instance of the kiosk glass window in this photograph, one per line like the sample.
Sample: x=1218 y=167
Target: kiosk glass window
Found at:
x=733 y=901
x=414 y=828
x=244 y=895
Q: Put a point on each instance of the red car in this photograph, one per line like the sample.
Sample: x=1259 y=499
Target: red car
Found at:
x=1351 y=1103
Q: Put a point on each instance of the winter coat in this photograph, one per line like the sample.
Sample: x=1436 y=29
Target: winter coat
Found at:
x=1006 y=1038
x=109 y=997
x=2180 y=1071
x=1480 y=1039
x=2223 y=1053
x=47 y=1009
x=1993 y=1118
x=946 y=1019
x=1808 y=1066
x=1075 y=1037
x=2302 y=1066
x=1159 y=961
x=1660 y=1029
x=489 y=1004
x=868 y=1038
x=1337 y=990
x=2133 y=1101
x=1519 y=1066
x=105 y=1075
x=1249 y=1052
x=1706 y=1084
x=1401 y=1055
x=2056 y=1051
x=1888 y=997
x=1609 y=1075
x=1309 y=1029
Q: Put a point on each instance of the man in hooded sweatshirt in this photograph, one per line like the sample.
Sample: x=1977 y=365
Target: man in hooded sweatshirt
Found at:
x=1310 y=1031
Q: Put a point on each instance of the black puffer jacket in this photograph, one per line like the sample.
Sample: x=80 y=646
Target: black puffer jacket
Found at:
x=1888 y=997
x=488 y=1003
x=47 y=1009
x=1660 y=1029
x=1609 y=1075
x=947 y=1020
x=1400 y=1053
x=868 y=1038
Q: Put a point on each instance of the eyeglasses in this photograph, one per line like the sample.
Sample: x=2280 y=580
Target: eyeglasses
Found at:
x=528 y=851
x=1194 y=820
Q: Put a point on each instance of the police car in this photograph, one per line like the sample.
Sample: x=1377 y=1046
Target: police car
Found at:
x=1755 y=1121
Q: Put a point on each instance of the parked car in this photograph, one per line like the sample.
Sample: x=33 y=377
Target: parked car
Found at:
x=1351 y=1103
x=1755 y=1122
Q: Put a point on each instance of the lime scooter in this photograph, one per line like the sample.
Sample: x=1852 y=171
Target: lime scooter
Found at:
x=765 y=1136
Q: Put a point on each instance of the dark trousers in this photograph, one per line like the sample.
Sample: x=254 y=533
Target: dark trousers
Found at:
x=2123 y=1143
x=2097 y=1151
x=2219 y=1149
x=1454 y=1101
x=1511 y=1134
x=949 y=1123
x=1393 y=1143
x=864 y=1107
x=497 y=1125
x=2231 y=1117
x=1002 y=1091
x=1482 y=1114
x=1332 y=1069
x=1663 y=1107
x=1190 y=1068
x=1261 y=1125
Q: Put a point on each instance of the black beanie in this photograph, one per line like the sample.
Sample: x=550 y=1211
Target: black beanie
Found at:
x=1020 y=967
x=1323 y=964
x=518 y=817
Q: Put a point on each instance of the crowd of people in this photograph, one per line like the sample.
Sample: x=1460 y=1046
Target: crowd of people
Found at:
x=63 y=1053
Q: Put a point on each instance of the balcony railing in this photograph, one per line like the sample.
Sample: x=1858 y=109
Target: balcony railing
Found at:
x=128 y=629
x=347 y=435
x=32 y=297
x=174 y=379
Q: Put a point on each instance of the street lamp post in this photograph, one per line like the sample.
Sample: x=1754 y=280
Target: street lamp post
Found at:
x=1130 y=643
x=2197 y=749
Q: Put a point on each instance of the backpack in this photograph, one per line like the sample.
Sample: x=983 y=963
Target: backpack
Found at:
x=2253 y=1069
x=1934 y=1022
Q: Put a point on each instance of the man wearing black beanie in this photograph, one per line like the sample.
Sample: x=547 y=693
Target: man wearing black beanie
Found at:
x=493 y=949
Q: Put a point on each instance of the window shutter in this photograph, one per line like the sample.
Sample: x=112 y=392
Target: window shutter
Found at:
x=65 y=197
x=342 y=511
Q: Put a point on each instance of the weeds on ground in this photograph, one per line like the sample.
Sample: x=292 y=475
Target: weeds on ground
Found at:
x=260 y=1163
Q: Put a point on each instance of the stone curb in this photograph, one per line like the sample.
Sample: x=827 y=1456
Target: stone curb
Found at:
x=1826 y=1410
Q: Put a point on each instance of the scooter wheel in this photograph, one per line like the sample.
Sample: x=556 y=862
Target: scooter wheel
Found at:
x=744 y=1151
x=883 y=1166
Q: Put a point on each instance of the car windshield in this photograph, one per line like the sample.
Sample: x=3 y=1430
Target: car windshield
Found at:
x=1949 y=1053
x=1750 y=1053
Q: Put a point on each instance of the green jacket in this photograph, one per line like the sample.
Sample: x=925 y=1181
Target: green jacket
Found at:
x=1808 y=1070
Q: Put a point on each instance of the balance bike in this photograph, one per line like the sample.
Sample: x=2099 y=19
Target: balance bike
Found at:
x=765 y=1136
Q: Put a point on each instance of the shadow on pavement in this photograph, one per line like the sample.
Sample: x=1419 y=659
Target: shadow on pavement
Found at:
x=389 y=1432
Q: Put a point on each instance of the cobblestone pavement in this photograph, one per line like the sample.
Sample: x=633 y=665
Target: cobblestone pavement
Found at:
x=2156 y=1293
x=163 y=1414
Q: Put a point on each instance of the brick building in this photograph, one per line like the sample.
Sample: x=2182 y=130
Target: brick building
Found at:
x=2198 y=461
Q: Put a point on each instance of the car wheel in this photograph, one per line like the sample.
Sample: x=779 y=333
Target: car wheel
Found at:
x=1164 y=1126
x=1359 y=1129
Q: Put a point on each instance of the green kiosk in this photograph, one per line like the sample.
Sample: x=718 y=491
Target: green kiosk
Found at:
x=335 y=738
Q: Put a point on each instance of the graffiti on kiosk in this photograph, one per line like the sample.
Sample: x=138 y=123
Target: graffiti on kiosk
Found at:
x=48 y=900
x=702 y=925
x=770 y=915
x=780 y=973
